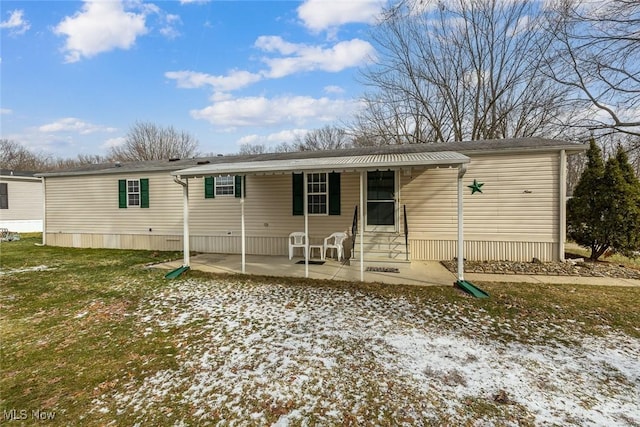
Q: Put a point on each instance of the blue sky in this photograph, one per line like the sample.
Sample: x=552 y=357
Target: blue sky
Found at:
x=76 y=75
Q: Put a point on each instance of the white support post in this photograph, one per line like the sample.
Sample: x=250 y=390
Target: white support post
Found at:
x=362 y=225
x=185 y=219
x=562 y=218
x=242 y=230
x=44 y=211
x=461 y=171
x=306 y=225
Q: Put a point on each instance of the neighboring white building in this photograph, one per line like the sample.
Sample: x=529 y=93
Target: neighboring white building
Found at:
x=519 y=213
x=21 y=201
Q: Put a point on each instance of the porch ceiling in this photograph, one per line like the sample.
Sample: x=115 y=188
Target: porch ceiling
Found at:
x=329 y=164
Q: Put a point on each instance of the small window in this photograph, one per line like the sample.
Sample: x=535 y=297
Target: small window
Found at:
x=225 y=185
x=317 y=193
x=133 y=192
x=4 y=196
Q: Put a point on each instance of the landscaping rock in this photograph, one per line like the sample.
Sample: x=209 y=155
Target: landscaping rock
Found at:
x=572 y=268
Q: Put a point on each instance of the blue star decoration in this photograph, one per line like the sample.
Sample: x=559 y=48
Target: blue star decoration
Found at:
x=476 y=187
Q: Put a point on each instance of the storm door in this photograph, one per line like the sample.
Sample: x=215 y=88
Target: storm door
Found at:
x=381 y=201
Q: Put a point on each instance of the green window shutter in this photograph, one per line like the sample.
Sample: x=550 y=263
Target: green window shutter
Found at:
x=237 y=190
x=209 y=188
x=4 y=196
x=122 y=193
x=334 y=193
x=298 y=194
x=144 y=193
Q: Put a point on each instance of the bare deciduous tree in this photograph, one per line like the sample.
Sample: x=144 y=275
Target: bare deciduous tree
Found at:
x=459 y=70
x=80 y=160
x=252 y=149
x=324 y=138
x=148 y=141
x=282 y=147
x=13 y=156
x=597 y=55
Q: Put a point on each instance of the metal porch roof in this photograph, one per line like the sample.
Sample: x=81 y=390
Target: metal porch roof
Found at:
x=329 y=164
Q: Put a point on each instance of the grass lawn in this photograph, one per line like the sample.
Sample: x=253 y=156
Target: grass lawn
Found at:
x=93 y=338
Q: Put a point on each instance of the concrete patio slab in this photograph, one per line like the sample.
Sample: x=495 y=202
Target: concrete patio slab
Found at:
x=421 y=273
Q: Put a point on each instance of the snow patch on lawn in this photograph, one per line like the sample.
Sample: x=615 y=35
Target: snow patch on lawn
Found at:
x=592 y=383
x=25 y=270
x=277 y=355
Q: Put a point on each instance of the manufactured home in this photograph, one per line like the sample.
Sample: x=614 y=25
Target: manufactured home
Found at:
x=505 y=199
x=21 y=201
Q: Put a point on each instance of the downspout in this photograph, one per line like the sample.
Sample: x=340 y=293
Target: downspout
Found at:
x=242 y=228
x=462 y=169
x=562 y=205
x=185 y=219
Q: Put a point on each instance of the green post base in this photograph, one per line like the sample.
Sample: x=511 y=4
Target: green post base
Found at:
x=472 y=289
x=175 y=273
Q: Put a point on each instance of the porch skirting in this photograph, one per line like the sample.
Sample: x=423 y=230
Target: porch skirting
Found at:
x=483 y=250
x=423 y=249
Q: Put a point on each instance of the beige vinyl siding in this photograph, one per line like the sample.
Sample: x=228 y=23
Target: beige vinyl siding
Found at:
x=268 y=211
x=215 y=224
x=89 y=204
x=516 y=216
x=25 y=199
x=116 y=241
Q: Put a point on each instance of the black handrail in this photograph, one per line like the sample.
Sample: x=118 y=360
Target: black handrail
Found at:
x=406 y=233
x=354 y=230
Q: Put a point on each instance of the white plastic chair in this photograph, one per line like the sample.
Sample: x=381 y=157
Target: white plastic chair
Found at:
x=298 y=239
x=334 y=242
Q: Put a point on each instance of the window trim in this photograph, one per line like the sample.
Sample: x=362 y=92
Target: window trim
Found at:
x=324 y=193
x=228 y=186
x=131 y=193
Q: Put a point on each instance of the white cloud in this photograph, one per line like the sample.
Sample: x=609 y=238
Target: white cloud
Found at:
x=16 y=24
x=261 y=111
x=342 y=55
x=303 y=58
x=169 y=23
x=333 y=89
x=72 y=124
x=101 y=26
x=287 y=135
x=318 y=15
x=6 y=111
x=113 y=142
x=194 y=1
x=236 y=79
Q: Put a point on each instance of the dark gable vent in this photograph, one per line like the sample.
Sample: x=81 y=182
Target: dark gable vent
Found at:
x=174 y=159
x=203 y=162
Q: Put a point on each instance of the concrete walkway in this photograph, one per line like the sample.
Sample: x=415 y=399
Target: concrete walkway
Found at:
x=421 y=273
x=570 y=280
